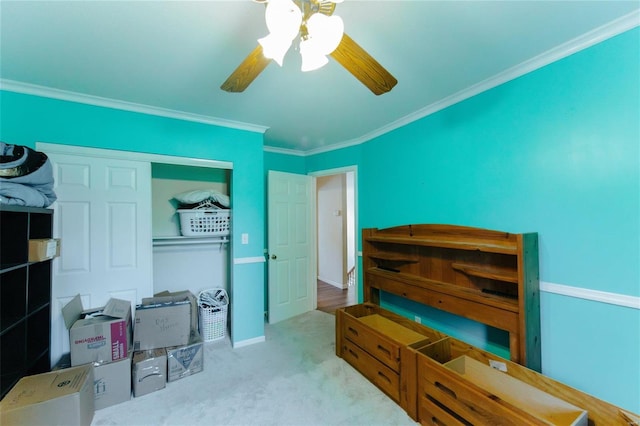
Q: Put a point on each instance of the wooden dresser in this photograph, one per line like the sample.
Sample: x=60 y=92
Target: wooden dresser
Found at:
x=377 y=343
x=488 y=276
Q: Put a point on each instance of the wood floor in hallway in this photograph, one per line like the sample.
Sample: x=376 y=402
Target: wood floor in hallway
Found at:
x=331 y=298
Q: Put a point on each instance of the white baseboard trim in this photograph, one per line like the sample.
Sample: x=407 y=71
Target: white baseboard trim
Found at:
x=333 y=283
x=588 y=294
x=248 y=342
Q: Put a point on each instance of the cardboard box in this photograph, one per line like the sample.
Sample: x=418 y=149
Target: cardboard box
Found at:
x=162 y=325
x=149 y=371
x=186 y=360
x=112 y=383
x=102 y=337
x=178 y=296
x=63 y=397
x=43 y=249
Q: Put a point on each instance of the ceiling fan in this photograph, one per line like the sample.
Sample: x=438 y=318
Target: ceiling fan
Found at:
x=320 y=33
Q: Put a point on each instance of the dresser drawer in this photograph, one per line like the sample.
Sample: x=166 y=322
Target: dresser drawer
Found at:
x=377 y=344
x=432 y=414
x=378 y=373
x=466 y=400
x=483 y=395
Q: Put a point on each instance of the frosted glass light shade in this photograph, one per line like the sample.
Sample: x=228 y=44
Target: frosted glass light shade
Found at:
x=283 y=19
x=274 y=47
x=326 y=31
x=324 y=36
x=311 y=58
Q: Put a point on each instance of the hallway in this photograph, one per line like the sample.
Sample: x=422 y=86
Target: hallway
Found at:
x=331 y=298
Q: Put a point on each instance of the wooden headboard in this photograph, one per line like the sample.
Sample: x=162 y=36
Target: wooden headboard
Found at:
x=487 y=276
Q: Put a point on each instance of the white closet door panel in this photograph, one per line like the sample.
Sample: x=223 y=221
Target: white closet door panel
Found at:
x=121 y=232
x=103 y=217
x=73 y=221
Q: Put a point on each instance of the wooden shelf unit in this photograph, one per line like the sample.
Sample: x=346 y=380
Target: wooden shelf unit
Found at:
x=487 y=276
x=25 y=295
x=423 y=370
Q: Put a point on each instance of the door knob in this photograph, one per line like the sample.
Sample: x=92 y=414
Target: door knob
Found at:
x=273 y=256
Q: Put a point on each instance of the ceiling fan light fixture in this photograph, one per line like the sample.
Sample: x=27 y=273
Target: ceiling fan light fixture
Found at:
x=319 y=38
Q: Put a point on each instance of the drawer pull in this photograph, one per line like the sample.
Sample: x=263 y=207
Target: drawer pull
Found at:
x=381 y=374
x=353 y=331
x=355 y=355
x=446 y=390
x=436 y=422
x=385 y=350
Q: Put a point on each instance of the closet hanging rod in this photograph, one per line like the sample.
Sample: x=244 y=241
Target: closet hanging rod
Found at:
x=179 y=241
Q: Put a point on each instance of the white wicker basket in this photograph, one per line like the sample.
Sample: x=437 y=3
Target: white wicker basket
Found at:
x=213 y=316
x=204 y=222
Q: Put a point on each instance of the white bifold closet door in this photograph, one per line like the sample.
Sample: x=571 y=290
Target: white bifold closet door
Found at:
x=103 y=217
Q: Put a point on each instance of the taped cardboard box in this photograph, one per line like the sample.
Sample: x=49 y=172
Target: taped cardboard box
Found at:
x=43 y=249
x=185 y=360
x=178 y=296
x=98 y=335
x=149 y=371
x=162 y=325
x=62 y=397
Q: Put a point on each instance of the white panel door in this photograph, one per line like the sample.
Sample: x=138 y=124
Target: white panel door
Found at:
x=103 y=217
x=291 y=217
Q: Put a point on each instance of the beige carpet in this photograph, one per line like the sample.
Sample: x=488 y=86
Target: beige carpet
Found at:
x=293 y=378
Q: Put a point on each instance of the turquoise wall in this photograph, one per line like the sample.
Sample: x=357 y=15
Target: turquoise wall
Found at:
x=554 y=152
x=27 y=119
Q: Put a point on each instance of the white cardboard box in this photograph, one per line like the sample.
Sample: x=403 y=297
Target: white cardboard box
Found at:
x=62 y=397
x=162 y=325
x=103 y=337
x=112 y=383
x=149 y=371
x=185 y=360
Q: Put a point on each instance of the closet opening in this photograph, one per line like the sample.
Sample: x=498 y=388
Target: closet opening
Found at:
x=182 y=258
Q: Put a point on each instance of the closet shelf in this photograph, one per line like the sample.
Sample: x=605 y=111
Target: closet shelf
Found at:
x=180 y=241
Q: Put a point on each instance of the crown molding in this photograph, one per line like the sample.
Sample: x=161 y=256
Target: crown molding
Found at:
x=591 y=38
x=64 y=95
x=285 y=151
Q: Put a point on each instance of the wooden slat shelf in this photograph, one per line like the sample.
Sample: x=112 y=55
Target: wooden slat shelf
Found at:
x=494 y=247
x=494 y=273
x=394 y=257
x=420 y=283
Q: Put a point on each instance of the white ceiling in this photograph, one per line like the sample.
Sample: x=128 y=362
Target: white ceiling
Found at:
x=172 y=56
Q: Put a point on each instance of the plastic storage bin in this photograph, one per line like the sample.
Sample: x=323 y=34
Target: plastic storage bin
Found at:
x=213 y=305
x=204 y=222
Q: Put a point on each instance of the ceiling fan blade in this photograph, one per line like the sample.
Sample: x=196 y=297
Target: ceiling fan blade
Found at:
x=363 y=67
x=247 y=71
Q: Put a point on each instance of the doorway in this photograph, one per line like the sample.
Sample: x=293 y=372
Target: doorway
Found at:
x=336 y=238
